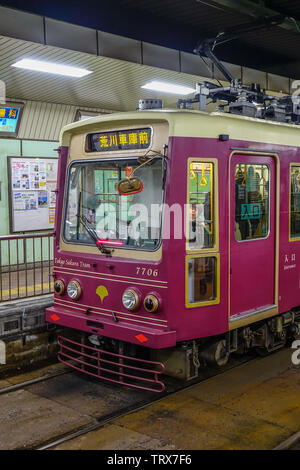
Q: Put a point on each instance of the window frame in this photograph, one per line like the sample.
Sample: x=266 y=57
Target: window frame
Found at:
x=291 y=239
x=202 y=303
x=66 y=202
x=203 y=252
x=215 y=247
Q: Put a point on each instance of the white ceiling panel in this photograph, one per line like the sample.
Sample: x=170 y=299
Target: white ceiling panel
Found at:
x=114 y=84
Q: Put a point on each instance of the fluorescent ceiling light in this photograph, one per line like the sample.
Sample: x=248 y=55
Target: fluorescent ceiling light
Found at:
x=168 y=88
x=51 y=67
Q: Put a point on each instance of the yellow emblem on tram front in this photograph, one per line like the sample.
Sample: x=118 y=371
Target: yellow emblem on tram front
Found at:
x=102 y=292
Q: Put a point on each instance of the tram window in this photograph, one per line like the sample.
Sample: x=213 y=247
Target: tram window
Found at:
x=93 y=197
x=201 y=279
x=295 y=201
x=252 y=193
x=201 y=206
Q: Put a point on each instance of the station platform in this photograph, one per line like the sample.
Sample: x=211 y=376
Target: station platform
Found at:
x=253 y=406
x=23 y=283
x=25 y=338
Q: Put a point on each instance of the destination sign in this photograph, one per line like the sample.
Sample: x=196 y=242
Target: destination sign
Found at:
x=119 y=140
x=9 y=117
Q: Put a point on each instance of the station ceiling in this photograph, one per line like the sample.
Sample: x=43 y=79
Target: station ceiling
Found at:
x=113 y=85
x=180 y=24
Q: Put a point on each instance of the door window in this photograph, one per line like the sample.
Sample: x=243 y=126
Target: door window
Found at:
x=201 y=206
x=295 y=201
x=252 y=200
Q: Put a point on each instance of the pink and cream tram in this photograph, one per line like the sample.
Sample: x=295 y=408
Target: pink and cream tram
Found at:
x=217 y=267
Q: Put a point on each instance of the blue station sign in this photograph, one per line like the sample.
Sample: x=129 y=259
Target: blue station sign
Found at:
x=9 y=117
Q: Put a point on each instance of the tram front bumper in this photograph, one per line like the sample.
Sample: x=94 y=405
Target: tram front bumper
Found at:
x=121 y=330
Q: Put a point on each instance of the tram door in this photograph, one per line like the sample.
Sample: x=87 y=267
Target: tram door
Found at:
x=252 y=233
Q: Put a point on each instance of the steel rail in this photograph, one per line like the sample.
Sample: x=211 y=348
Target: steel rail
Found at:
x=27 y=383
x=285 y=445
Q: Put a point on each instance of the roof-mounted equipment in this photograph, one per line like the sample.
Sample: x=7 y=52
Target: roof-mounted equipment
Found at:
x=250 y=101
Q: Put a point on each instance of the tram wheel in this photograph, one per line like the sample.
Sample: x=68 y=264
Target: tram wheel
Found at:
x=216 y=353
x=262 y=352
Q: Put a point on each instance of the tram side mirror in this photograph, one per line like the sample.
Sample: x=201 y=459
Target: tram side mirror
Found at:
x=129 y=186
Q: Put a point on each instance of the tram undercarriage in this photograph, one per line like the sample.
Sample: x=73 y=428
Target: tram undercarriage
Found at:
x=138 y=367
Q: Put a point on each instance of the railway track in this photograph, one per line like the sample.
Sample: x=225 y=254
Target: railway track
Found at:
x=27 y=383
x=107 y=414
x=103 y=420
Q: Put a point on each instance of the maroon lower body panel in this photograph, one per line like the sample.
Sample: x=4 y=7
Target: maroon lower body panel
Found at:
x=111 y=367
x=123 y=331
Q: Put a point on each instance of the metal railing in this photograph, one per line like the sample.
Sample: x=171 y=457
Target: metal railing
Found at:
x=26 y=263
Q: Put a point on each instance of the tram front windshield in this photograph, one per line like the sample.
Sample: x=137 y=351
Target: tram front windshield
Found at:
x=131 y=221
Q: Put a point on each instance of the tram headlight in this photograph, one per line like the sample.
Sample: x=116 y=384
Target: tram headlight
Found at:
x=130 y=300
x=151 y=303
x=59 y=287
x=74 y=290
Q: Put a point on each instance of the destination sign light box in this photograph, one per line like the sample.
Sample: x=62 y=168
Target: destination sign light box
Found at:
x=119 y=140
x=10 y=117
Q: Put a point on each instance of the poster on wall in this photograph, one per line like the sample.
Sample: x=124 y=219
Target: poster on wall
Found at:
x=32 y=193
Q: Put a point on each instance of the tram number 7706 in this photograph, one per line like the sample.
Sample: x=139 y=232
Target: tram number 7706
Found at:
x=147 y=272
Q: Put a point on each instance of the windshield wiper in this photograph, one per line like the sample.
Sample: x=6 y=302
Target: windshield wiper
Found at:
x=90 y=230
x=93 y=234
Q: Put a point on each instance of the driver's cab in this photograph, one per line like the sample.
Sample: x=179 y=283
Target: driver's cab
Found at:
x=115 y=190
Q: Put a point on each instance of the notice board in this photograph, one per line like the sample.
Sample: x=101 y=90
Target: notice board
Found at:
x=32 y=182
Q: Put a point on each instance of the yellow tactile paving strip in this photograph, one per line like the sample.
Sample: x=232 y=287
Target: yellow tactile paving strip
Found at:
x=254 y=406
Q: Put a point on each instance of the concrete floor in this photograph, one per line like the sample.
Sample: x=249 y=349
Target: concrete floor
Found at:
x=45 y=411
x=296 y=446
x=254 y=406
